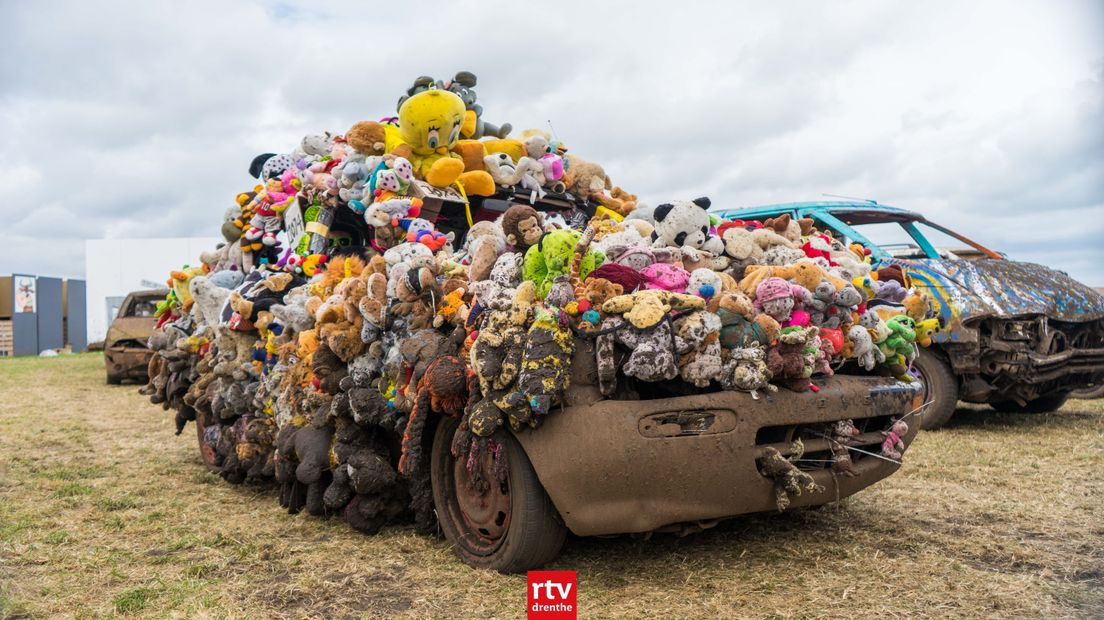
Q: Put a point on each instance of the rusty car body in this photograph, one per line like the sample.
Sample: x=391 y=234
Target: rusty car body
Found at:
x=1017 y=335
x=659 y=463
x=126 y=355
x=677 y=464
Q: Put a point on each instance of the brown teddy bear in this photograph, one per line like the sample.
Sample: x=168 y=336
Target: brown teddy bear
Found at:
x=597 y=291
x=618 y=200
x=585 y=179
x=793 y=230
x=367 y=137
x=792 y=359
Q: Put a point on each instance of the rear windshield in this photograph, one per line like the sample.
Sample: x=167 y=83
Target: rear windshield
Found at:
x=140 y=307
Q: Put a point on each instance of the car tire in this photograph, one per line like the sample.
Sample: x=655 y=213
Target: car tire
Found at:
x=940 y=387
x=207 y=453
x=1045 y=404
x=512 y=527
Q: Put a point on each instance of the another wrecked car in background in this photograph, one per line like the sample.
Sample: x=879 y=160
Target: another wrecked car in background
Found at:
x=1019 y=336
x=126 y=355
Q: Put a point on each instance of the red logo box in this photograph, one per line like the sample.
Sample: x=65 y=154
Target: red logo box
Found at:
x=552 y=595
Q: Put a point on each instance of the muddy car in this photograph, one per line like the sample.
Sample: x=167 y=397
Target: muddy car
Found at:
x=126 y=355
x=1018 y=336
x=675 y=465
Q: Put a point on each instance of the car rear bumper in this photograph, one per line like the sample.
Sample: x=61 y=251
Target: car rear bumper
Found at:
x=127 y=362
x=636 y=466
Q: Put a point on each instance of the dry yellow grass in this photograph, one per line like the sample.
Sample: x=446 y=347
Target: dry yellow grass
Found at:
x=103 y=511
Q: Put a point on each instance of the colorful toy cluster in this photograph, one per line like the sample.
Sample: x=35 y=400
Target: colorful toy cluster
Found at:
x=365 y=286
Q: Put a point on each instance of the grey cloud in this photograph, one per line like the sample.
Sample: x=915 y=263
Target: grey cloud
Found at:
x=139 y=118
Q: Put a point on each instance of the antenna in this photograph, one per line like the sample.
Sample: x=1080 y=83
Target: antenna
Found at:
x=873 y=202
x=553 y=129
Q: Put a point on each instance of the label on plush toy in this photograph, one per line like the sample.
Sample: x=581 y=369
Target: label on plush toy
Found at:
x=424 y=190
x=293 y=224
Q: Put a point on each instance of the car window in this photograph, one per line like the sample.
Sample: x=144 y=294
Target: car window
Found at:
x=892 y=238
x=140 y=308
x=946 y=245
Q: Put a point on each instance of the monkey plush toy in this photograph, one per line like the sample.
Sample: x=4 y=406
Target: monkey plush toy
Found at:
x=523 y=226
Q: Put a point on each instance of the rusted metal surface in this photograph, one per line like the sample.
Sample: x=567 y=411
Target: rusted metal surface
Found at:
x=127 y=362
x=635 y=466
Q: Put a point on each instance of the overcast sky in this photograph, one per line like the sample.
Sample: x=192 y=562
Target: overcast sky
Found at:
x=139 y=119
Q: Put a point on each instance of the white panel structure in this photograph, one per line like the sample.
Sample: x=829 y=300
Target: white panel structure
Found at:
x=115 y=267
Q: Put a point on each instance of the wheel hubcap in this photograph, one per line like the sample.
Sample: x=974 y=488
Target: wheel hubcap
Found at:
x=484 y=502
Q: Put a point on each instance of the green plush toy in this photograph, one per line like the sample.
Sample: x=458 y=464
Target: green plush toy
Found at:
x=551 y=257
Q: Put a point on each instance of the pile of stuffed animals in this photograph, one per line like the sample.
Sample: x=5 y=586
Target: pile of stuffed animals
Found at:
x=347 y=311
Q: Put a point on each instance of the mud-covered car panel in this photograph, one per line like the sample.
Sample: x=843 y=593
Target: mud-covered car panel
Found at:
x=636 y=466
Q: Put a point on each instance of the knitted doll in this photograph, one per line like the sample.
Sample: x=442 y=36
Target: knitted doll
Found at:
x=893 y=445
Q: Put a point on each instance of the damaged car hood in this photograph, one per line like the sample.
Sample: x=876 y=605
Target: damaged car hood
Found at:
x=130 y=328
x=962 y=289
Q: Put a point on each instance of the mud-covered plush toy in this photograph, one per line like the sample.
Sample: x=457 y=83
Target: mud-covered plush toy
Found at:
x=700 y=361
x=302 y=465
x=741 y=325
x=523 y=226
x=443 y=388
x=645 y=328
x=792 y=360
x=545 y=370
x=788 y=479
x=746 y=370
x=552 y=256
x=645 y=309
x=805 y=273
x=666 y=277
x=498 y=349
x=597 y=291
x=685 y=223
x=417 y=292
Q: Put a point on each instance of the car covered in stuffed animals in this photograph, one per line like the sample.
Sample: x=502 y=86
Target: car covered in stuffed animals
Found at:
x=489 y=339
x=1020 y=336
x=126 y=355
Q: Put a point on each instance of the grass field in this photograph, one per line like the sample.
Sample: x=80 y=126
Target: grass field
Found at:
x=104 y=512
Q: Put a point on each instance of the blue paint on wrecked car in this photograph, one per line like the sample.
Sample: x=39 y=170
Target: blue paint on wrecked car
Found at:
x=960 y=289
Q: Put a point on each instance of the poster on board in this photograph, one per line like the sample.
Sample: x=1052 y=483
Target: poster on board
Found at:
x=25 y=294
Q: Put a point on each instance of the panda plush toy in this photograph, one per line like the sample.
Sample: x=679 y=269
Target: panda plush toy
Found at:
x=685 y=223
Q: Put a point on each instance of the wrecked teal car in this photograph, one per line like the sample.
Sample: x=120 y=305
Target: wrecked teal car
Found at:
x=1019 y=336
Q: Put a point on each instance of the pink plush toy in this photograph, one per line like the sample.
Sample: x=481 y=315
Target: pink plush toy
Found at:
x=799 y=318
x=666 y=277
x=893 y=446
x=779 y=299
x=553 y=166
x=269 y=206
